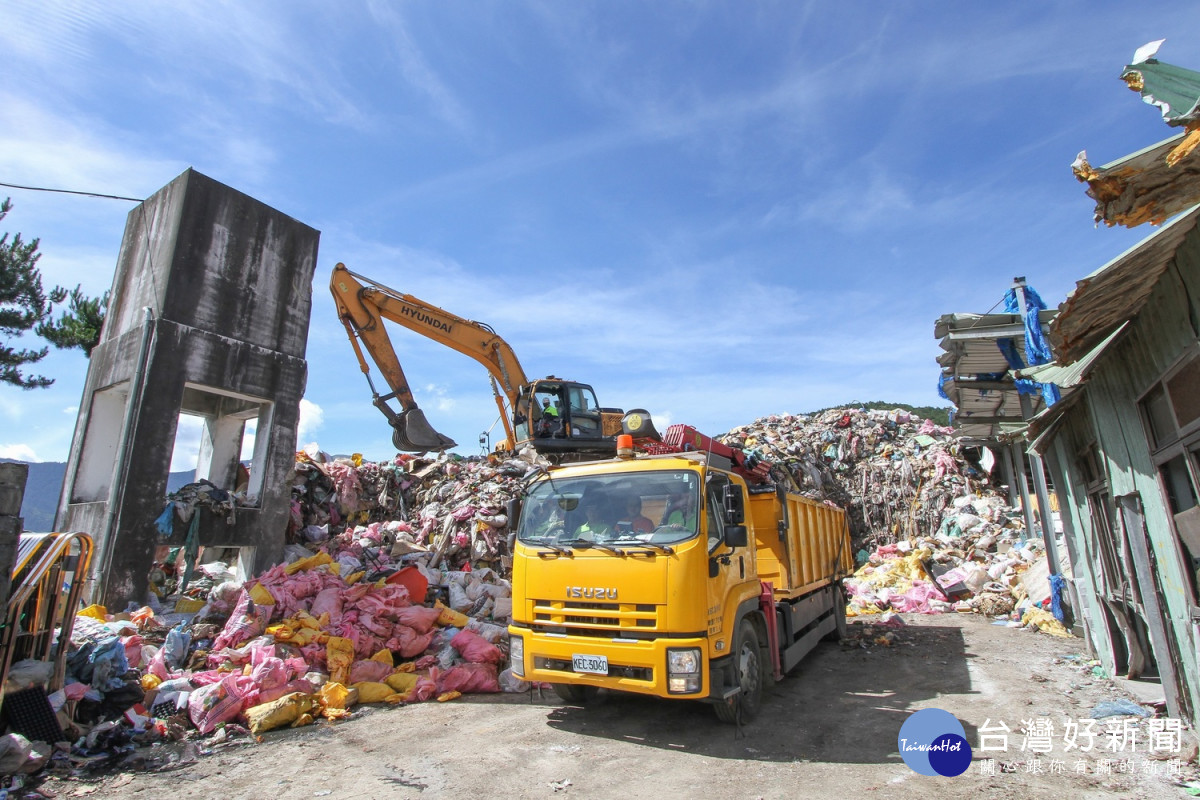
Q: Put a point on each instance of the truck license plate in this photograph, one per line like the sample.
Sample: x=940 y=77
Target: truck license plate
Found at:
x=594 y=664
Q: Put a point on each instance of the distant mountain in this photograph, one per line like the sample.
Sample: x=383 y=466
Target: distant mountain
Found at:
x=940 y=415
x=44 y=485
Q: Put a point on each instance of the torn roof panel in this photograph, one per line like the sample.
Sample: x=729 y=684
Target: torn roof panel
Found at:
x=1117 y=291
x=1162 y=180
x=1175 y=90
x=1143 y=186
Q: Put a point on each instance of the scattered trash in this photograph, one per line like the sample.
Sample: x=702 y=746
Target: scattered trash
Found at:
x=1119 y=708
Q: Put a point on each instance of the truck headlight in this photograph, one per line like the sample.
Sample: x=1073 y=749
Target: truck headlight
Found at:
x=516 y=654
x=683 y=670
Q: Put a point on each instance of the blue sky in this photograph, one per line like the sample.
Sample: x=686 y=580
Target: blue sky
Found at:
x=711 y=210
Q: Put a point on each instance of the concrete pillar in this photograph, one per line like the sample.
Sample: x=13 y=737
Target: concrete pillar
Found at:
x=209 y=316
x=12 y=492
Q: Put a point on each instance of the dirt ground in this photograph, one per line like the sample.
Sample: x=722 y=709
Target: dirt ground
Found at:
x=829 y=729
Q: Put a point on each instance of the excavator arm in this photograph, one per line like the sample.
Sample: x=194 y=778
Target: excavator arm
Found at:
x=362 y=306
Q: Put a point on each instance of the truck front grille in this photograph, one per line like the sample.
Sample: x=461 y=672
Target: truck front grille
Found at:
x=597 y=619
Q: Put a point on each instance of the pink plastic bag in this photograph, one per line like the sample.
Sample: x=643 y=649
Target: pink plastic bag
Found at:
x=211 y=705
x=469 y=678
x=247 y=621
x=475 y=648
x=408 y=643
x=374 y=671
x=419 y=618
x=328 y=601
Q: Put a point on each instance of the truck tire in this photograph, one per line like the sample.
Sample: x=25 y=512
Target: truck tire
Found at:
x=573 y=693
x=839 y=614
x=748 y=666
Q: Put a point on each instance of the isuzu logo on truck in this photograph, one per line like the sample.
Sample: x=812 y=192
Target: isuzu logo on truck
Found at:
x=592 y=592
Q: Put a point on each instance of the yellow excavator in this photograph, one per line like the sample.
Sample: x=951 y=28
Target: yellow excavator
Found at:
x=560 y=418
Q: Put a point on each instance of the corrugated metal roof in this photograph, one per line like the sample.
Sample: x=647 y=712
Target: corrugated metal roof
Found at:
x=1117 y=291
x=1068 y=377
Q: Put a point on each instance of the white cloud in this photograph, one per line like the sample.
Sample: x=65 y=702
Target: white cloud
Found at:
x=18 y=452
x=312 y=417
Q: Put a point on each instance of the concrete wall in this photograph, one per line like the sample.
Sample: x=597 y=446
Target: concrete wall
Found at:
x=228 y=281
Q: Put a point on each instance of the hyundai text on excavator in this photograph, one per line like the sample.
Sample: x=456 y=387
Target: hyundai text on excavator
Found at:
x=560 y=418
x=683 y=571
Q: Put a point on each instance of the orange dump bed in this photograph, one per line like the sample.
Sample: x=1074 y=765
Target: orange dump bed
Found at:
x=813 y=550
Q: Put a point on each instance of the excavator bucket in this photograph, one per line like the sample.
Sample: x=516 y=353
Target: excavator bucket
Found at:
x=414 y=434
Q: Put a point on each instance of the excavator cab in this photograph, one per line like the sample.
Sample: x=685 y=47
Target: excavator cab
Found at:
x=560 y=417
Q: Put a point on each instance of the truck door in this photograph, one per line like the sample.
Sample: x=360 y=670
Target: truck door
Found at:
x=727 y=568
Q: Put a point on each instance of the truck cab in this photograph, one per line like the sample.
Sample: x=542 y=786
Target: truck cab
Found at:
x=645 y=575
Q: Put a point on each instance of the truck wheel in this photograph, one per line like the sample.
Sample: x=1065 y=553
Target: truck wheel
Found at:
x=839 y=615
x=744 y=705
x=573 y=693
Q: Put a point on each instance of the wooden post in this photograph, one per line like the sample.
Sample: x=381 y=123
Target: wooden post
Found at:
x=12 y=492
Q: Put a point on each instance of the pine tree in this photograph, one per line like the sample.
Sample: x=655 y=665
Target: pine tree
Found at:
x=80 y=326
x=24 y=306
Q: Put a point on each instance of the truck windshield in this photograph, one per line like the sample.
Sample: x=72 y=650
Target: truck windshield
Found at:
x=653 y=508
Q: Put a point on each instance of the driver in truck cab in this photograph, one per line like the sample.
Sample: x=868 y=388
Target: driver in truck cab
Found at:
x=597 y=526
x=681 y=510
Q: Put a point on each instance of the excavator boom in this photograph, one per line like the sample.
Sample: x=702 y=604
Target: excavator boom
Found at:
x=568 y=424
x=363 y=304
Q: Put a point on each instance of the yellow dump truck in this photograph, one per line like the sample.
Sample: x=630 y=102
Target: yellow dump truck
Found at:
x=671 y=575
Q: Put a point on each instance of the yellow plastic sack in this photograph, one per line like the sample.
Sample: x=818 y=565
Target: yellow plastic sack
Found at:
x=1045 y=622
x=450 y=617
x=444 y=696
x=311 y=562
x=372 y=692
x=401 y=682
x=94 y=611
x=261 y=596
x=339 y=655
x=149 y=681
x=188 y=605
x=284 y=711
x=336 y=696
x=384 y=656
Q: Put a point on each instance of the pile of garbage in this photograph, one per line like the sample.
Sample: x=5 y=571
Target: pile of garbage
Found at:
x=931 y=533
x=395 y=586
x=394 y=590
x=893 y=473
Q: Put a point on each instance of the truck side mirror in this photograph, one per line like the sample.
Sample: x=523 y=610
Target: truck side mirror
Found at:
x=736 y=536
x=735 y=504
x=513 y=509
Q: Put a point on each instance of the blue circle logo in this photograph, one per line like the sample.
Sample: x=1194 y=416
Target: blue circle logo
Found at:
x=933 y=742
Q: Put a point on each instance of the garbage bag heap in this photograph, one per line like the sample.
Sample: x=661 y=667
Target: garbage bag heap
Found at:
x=394 y=590
x=930 y=532
x=395 y=586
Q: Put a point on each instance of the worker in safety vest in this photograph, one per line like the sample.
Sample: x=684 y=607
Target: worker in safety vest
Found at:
x=597 y=527
x=550 y=424
x=681 y=510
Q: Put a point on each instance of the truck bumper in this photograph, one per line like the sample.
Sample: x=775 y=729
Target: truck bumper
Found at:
x=638 y=666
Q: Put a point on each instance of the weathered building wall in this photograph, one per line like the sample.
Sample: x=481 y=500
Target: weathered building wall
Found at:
x=1161 y=590
x=228 y=284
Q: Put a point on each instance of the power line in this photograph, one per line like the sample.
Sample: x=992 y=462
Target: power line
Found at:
x=71 y=191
